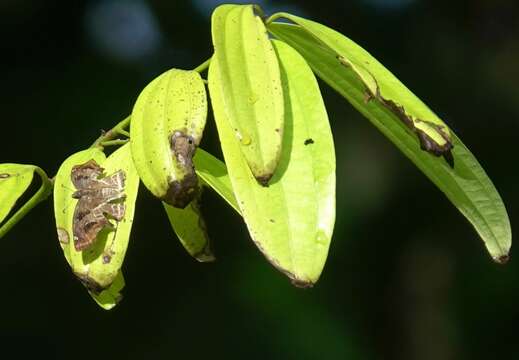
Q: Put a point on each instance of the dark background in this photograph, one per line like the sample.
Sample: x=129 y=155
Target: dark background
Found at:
x=406 y=277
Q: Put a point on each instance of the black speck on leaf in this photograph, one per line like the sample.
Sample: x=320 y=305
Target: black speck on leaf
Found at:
x=309 y=141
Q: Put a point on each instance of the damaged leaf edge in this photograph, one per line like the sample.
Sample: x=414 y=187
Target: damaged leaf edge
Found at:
x=427 y=143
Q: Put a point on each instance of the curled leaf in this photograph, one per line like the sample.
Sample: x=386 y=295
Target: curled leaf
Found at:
x=15 y=179
x=250 y=86
x=189 y=226
x=98 y=266
x=167 y=124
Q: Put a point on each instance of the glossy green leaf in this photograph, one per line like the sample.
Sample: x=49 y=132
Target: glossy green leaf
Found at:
x=15 y=179
x=291 y=220
x=214 y=174
x=97 y=267
x=167 y=124
x=189 y=226
x=466 y=185
x=249 y=81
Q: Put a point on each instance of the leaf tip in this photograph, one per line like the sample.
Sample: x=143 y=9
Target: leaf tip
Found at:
x=303 y=284
x=502 y=260
x=263 y=180
x=205 y=256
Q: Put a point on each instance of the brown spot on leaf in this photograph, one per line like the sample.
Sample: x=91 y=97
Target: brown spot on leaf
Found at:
x=63 y=236
x=90 y=283
x=503 y=259
x=301 y=284
x=368 y=96
x=4 y=176
x=107 y=258
x=426 y=142
x=183 y=147
x=181 y=192
x=263 y=180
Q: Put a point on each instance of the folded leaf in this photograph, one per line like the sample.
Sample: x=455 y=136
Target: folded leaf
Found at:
x=99 y=266
x=189 y=225
x=15 y=179
x=249 y=81
x=291 y=220
x=168 y=121
x=466 y=185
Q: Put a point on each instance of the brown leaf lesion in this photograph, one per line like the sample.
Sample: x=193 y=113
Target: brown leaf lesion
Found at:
x=427 y=143
x=91 y=285
x=182 y=191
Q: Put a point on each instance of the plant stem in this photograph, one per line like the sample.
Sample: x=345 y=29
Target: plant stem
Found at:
x=114 y=142
x=203 y=66
x=112 y=133
x=43 y=193
x=275 y=17
x=123 y=133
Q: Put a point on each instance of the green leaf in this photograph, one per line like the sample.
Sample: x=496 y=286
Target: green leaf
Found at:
x=250 y=84
x=64 y=204
x=214 y=174
x=15 y=179
x=167 y=123
x=382 y=87
x=189 y=225
x=291 y=220
x=111 y=296
x=99 y=266
x=466 y=185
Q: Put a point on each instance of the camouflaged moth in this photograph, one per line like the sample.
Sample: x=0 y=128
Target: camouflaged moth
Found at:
x=99 y=199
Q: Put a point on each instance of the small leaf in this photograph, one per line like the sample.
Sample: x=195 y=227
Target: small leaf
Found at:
x=99 y=266
x=466 y=185
x=213 y=172
x=110 y=297
x=189 y=225
x=15 y=179
x=250 y=84
x=291 y=220
x=168 y=120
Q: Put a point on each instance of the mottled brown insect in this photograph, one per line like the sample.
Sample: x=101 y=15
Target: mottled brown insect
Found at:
x=99 y=199
x=182 y=191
